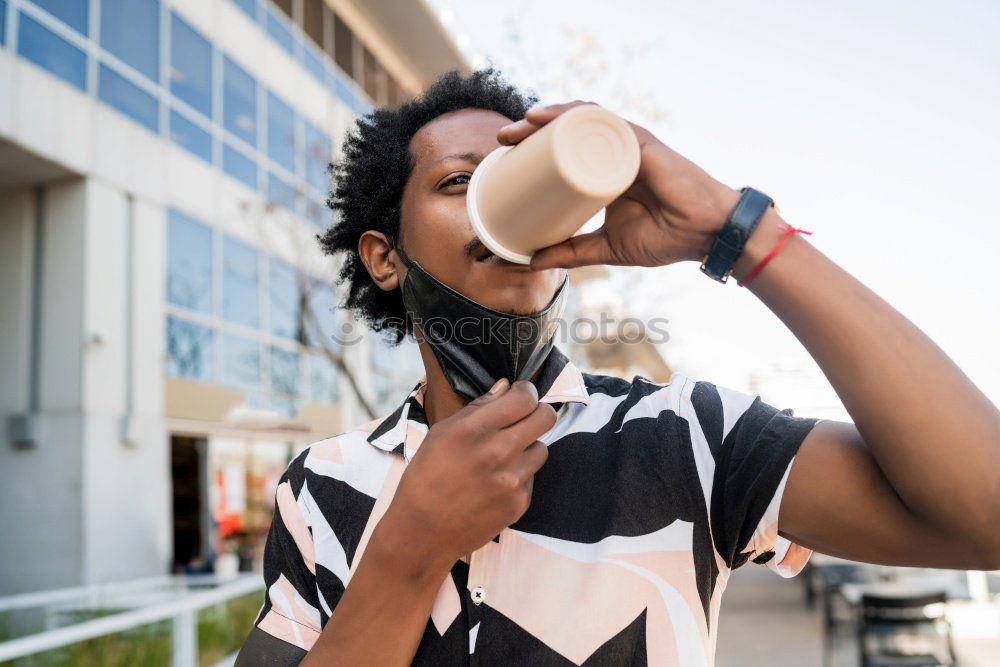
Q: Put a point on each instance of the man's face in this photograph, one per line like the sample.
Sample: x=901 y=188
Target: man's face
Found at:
x=435 y=225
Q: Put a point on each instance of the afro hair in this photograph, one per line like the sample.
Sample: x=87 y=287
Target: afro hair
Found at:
x=375 y=165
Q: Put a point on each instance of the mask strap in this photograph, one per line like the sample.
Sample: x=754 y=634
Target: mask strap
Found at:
x=399 y=250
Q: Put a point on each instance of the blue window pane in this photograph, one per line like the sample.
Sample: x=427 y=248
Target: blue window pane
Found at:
x=189 y=349
x=284 y=300
x=322 y=379
x=48 y=50
x=340 y=88
x=129 y=98
x=279 y=31
x=130 y=29
x=317 y=150
x=240 y=362
x=239 y=166
x=189 y=263
x=249 y=7
x=323 y=305
x=190 y=66
x=313 y=62
x=3 y=22
x=240 y=296
x=280 y=132
x=71 y=12
x=280 y=193
x=239 y=102
x=190 y=136
x=284 y=371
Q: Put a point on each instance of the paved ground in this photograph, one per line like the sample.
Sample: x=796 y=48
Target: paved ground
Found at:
x=764 y=622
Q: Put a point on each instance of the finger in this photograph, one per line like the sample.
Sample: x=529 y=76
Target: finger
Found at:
x=531 y=460
x=498 y=389
x=516 y=132
x=533 y=119
x=543 y=114
x=531 y=427
x=529 y=487
x=514 y=405
x=581 y=250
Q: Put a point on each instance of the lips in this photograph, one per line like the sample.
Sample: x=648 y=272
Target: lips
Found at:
x=482 y=254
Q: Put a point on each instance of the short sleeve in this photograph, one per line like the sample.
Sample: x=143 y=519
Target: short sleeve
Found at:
x=291 y=605
x=753 y=447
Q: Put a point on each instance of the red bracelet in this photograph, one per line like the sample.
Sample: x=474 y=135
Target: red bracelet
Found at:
x=789 y=230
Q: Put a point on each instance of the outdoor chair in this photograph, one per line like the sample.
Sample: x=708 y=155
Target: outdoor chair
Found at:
x=905 y=631
x=826 y=581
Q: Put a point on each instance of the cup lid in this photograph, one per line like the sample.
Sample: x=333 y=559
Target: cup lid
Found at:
x=478 y=226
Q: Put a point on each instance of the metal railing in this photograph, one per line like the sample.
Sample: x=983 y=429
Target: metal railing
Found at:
x=182 y=611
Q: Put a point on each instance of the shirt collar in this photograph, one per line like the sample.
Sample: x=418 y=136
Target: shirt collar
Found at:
x=560 y=382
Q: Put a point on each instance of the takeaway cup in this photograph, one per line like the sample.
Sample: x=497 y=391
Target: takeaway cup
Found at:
x=540 y=191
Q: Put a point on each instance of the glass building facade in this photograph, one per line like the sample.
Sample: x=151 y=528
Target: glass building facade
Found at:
x=172 y=155
x=253 y=337
x=233 y=310
x=112 y=49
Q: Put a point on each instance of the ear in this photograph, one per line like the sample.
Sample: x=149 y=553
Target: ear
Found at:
x=378 y=256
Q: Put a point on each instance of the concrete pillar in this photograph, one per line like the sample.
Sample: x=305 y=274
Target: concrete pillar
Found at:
x=126 y=463
x=87 y=500
x=41 y=296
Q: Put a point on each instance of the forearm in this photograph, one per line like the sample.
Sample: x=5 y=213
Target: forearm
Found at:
x=389 y=589
x=935 y=436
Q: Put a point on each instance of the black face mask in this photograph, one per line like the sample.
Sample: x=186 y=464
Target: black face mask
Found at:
x=476 y=346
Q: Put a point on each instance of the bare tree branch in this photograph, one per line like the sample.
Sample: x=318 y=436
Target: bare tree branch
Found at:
x=317 y=334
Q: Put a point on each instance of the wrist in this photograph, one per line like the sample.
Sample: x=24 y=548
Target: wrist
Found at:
x=767 y=233
x=721 y=203
x=730 y=241
x=394 y=548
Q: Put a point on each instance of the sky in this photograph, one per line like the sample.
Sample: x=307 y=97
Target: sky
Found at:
x=875 y=125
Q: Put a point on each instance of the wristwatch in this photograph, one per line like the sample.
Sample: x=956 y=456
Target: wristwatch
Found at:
x=729 y=242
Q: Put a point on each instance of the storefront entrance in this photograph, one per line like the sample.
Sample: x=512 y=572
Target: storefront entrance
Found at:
x=192 y=520
x=223 y=499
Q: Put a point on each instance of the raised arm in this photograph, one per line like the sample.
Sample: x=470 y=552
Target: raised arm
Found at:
x=917 y=480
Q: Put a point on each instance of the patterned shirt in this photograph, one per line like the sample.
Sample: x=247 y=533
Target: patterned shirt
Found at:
x=651 y=495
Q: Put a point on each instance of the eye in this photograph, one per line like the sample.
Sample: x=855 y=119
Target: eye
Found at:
x=457 y=180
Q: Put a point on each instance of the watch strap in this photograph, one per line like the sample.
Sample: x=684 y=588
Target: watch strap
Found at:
x=731 y=239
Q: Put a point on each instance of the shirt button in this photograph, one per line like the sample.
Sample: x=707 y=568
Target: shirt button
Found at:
x=478 y=595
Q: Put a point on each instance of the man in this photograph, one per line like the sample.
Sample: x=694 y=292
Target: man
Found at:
x=590 y=519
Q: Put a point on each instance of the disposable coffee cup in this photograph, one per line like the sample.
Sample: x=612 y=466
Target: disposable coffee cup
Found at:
x=539 y=192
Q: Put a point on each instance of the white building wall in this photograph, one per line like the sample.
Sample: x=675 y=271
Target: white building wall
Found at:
x=126 y=465
x=62 y=292
x=47 y=116
x=42 y=508
x=17 y=223
x=91 y=500
x=83 y=505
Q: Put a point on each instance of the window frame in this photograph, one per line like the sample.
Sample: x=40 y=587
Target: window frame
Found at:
x=223 y=330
